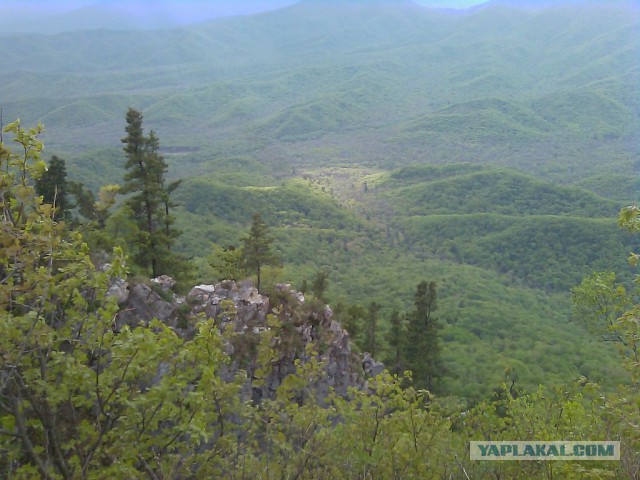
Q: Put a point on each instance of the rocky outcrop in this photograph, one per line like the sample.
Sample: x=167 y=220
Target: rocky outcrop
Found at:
x=304 y=329
x=225 y=298
x=142 y=304
x=164 y=282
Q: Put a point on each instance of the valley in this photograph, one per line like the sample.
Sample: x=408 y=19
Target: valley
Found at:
x=385 y=143
x=321 y=239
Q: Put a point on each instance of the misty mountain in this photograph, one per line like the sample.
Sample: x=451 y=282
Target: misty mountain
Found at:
x=121 y=15
x=312 y=113
x=387 y=83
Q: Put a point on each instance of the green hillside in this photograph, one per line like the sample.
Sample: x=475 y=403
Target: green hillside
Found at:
x=549 y=91
x=461 y=137
x=432 y=191
x=547 y=252
x=504 y=248
x=544 y=235
x=429 y=185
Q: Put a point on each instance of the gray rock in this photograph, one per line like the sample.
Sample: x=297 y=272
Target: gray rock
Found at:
x=242 y=308
x=202 y=291
x=165 y=282
x=119 y=289
x=370 y=366
x=142 y=305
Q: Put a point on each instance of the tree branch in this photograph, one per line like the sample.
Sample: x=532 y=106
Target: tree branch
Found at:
x=26 y=442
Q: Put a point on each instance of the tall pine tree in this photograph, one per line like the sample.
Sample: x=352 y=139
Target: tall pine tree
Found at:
x=53 y=187
x=397 y=341
x=320 y=283
x=371 y=328
x=149 y=200
x=256 y=248
x=422 y=346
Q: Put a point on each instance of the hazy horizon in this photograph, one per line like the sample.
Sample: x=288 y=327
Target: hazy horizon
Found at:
x=17 y=15
x=58 y=16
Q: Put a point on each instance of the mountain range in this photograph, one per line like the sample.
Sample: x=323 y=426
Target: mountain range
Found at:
x=498 y=84
x=64 y=16
x=488 y=149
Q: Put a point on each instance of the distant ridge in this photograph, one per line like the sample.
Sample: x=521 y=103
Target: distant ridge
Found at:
x=552 y=91
x=123 y=15
x=357 y=2
x=543 y=4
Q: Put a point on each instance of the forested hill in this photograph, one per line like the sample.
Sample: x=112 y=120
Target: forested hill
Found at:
x=382 y=83
x=438 y=191
x=385 y=143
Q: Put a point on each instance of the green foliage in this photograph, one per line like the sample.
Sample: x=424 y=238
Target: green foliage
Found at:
x=384 y=433
x=81 y=397
x=545 y=252
x=543 y=235
x=374 y=103
x=320 y=283
x=573 y=413
x=95 y=211
x=422 y=346
x=630 y=218
x=226 y=263
x=352 y=318
x=256 y=248
x=490 y=320
x=370 y=341
x=434 y=88
x=616 y=186
x=292 y=203
x=377 y=96
x=397 y=339
x=53 y=187
x=598 y=303
x=445 y=190
x=150 y=201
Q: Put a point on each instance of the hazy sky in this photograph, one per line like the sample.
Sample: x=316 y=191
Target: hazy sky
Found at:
x=54 y=16
x=222 y=7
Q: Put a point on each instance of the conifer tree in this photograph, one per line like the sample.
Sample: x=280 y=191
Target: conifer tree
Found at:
x=226 y=262
x=320 y=283
x=256 y=248
x=53 y=187
x=92 y=209
x=352 y=317
x=397 y=335
x=371 y=329
x=423 y=342
x=149 y=202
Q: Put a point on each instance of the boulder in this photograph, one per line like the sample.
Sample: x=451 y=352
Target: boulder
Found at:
x=120 y=289
x=142 y=305
x=165 y=282
x=370 y=366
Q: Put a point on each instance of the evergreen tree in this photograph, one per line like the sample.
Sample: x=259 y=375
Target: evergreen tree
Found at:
x=54 y=188
x=85 y=200
x=371 y=329
x=226 y=262
x=397 y=335
x=150 y=203
x=423 y=342
x=94 y=214
x=256 y=248
x=352 y=317
x=169 y=219
x=320 y=284
x=94 y=210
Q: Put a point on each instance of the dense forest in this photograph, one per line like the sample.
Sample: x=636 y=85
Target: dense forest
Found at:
x=448 y=193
